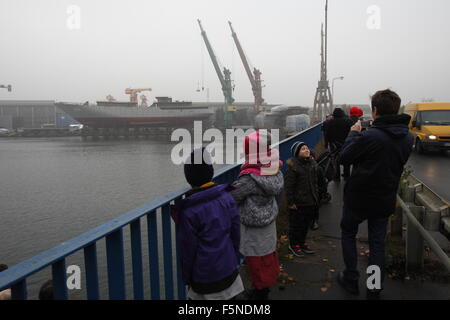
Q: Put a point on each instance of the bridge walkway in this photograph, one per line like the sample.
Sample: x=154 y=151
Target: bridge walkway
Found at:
x=314 y=277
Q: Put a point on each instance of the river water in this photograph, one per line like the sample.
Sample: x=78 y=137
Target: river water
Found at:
x=53 y=189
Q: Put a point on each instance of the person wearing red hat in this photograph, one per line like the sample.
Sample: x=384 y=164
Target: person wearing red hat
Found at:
x=259 y=183
x=355 y=114
x=336 y=133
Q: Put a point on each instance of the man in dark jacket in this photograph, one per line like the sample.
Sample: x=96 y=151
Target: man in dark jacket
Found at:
x=325 y=128
x=378 y=156
x=336 y=132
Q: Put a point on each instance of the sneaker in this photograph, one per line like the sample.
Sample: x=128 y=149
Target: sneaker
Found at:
x=307 y=249
x=297 y=251
x=315 y=225
x=349 y=286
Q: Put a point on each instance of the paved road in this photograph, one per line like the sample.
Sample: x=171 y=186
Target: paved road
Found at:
x=433 y=169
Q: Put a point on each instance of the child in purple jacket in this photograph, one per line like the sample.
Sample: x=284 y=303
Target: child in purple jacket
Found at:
x=208 y=227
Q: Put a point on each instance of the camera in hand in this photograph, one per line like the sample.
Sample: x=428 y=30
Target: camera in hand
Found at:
x=365 y=124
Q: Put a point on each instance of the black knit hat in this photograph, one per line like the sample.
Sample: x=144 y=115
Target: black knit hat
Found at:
x=296 y=148
x=198 y=169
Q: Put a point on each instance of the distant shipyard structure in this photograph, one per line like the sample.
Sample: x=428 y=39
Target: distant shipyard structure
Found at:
x=111 y=117
x=323 y=100
x=32 y=114
x=50 y=118
x=128 y=119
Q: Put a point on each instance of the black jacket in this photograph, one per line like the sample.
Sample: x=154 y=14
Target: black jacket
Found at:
x=301 y=182
x=378 y=156
x=337 y=129
x=324 y=128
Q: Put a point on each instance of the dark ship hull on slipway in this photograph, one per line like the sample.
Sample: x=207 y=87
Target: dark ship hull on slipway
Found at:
x=114 y=114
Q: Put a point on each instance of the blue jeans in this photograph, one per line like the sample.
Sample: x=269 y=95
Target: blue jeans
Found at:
x=377 y=233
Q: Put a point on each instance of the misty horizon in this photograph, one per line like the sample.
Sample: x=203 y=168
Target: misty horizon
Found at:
x=157 y=44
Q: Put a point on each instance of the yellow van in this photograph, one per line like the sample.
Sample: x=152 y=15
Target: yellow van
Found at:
x=430 y=125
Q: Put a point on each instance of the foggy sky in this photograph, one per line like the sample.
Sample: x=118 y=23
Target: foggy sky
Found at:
x=157 y=44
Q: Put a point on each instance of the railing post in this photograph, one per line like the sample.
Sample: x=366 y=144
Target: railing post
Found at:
x=136 y=253
x=19 y=290
x=409 y=194
x=181 y=286
x=116 y=265
x=397 y=221
x=91 y=266
x=167 y=245
x=153 y=257
x=59 y=280
x=414 y=241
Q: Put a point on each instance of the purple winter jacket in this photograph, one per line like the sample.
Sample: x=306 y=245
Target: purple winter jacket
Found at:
x=208 y=227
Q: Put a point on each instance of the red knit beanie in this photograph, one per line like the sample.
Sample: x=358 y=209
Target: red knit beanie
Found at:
x=356 y=112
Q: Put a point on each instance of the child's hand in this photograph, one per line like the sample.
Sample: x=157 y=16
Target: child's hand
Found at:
x=293 y=207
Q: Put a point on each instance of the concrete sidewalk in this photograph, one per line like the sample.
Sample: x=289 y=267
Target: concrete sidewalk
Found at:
x=314 y=277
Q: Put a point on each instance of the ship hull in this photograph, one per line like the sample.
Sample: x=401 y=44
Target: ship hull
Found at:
x=171 y=122
x=120 y=116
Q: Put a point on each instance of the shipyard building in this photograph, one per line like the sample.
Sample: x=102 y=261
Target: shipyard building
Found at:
x=15 y=114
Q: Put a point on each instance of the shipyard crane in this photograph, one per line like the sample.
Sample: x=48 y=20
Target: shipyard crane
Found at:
x=224 y=78
x=255 y=77
x=134 y=93
x=144 y=101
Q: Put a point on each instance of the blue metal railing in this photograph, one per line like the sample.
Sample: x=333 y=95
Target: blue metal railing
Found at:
x=113 y=234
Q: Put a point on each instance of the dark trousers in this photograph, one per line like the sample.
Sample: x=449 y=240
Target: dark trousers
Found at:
x=334 y=146
x=316 y=214
x=299 y=222
x=377 y=233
